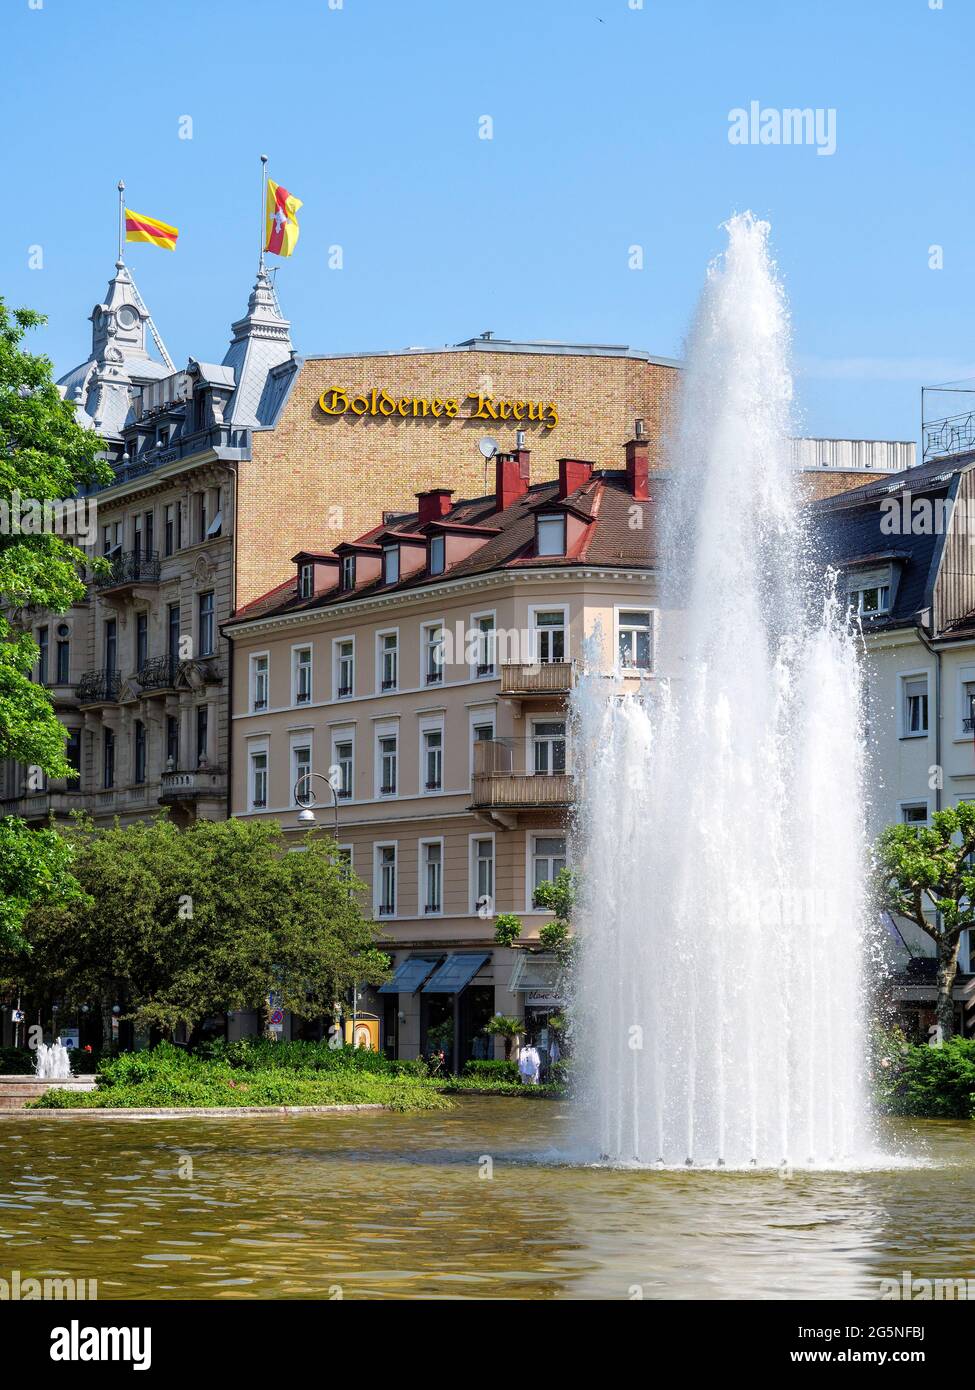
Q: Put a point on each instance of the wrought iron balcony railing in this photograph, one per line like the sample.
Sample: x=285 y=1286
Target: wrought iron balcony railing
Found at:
x=99 y=688
x=131 y=567
x=158 y=673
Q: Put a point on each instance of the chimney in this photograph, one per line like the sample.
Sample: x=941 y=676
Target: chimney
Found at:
x=573 y=473
x=512 y=474
x=638 y=465
x=434 y=504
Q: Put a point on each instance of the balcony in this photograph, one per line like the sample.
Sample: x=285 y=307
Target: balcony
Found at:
x=198 y=784
x=99 y=688
x=527 y=680
x=158 y=675
x=506 y=782
x=130 y=568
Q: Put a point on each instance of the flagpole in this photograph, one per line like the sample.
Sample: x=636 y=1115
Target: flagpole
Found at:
x=260 y=264
x=121 y=218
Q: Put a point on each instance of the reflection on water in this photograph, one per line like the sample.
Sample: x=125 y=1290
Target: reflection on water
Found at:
x=394 y=1206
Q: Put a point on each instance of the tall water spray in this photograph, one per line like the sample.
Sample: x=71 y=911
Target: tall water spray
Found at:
x=718 y=1010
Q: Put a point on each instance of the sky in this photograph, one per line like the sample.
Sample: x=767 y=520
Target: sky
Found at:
x=609 y=124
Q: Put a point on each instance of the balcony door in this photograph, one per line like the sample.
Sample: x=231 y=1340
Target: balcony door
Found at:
x=548 y=738
x=550 y=635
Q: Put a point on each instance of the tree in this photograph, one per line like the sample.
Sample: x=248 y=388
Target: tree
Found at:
x=178 y=925
x=559 y=896
x=45 y=456
x=920 y=868
x=505 y=1027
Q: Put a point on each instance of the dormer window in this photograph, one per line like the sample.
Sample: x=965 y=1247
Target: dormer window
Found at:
x=306 y=580
x=550 y=534
x=391 y=564
x=438 y=554
x=348 y=572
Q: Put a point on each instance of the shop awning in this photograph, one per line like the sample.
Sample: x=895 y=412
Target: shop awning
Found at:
x=456 y=973
x=538 y=976
x=410 y=975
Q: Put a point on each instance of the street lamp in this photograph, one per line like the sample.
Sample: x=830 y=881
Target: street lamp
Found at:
x=307 y=802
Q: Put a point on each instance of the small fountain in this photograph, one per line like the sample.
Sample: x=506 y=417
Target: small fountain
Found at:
x=52 y=1062
x=721 y=842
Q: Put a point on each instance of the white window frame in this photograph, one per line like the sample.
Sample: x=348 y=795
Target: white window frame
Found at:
x=473 y=899
x=377 y=848
x=533 y=610
x=440 y=540
x=347 y=568
x=903 y=806
x=295 y=666
x=966 y=674
x=344 y=735
x=337 y=643
x=548 y=520
x=254 y=749
x=531 y=836
x=431 y=726
x=386 y=731
x=303 y=739
x=391 y=553
x=380 y=635
x=306 y=579
x=903 y=677
x=618 y=626
x=421 y=876
x=492 y=645
x=554 y=718
x=425 y=647
x=253 y=659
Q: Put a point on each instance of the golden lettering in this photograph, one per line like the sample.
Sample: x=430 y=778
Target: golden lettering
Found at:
x=335 y=394
x=378 y=401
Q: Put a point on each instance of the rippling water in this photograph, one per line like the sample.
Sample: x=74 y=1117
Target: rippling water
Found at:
x=382 y=1205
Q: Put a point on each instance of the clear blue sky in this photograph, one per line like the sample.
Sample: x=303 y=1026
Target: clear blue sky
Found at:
x=610 y=129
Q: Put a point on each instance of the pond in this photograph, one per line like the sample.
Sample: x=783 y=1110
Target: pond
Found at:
x=477 y=1202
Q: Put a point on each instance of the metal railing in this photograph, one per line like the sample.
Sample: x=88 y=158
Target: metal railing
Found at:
x=158 y=673
x=955 y=434
x=522 y=773
x=537 y=678
x=98 y=688
x=131 y=567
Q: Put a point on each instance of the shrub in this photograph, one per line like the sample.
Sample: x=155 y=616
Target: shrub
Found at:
x=492 y=1070
x=507 y=928
x=937 y=1082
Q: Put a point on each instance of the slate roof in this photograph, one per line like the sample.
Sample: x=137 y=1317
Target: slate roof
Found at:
x=610 y=541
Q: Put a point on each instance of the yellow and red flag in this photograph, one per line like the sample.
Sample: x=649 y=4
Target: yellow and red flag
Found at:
x=282 y=221
x=138 y=227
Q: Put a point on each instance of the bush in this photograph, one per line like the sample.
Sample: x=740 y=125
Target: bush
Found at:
x=19 y=1061
x=936 y=1082
x=507 y=928
x=492 y=1070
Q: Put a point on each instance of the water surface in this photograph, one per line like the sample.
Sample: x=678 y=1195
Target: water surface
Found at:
x=380 y=1205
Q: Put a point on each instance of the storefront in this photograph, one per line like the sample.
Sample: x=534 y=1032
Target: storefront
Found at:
x=441 y=1007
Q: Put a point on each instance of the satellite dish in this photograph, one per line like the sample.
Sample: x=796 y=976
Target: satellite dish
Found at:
x=488 y=446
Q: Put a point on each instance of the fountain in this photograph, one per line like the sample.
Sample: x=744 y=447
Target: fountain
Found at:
x=52 y=1063
x=718 y=1010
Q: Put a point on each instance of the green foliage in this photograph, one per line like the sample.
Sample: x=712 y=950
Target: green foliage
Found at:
x=479 y=1085
x=554 y=936
x=492 y=1070
x=507 y=928
x=35 y=868
x=166 y=1076
x=181 y=924
x=261 y=1054
x=19 y=1061
x=937 y=1082
x=559 y=897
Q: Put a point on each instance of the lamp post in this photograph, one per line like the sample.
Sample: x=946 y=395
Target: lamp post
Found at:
x=306 y=816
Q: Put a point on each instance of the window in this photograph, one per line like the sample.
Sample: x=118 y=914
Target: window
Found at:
x=306 y=580
x=432 y=876
x=172 y=632
x=548 y=858
x=915 y=706
x=344 y=668
x=141 y=640
x=139 y=768
x=551 y=534
x=433 y=653
x=108 y=759
x=871 y=601
x=179 y=526
x=216 y=525
x=390 y=564
x=914 y=812
x=482 y=731
x=43 y=648
x=385 y=880
x=343 y=763
x=259 y=681
x=482 y=874
x=206 y=624
x=73 y=754
x=635 y=640
x=169 y=529
x=202 y=516
x=111 y=646
x=137 y=537
x=968 y=706
x=388 y=758
x=63 y=656
x=548 y=738
x=438 y=554
x=258 y=779
x=550 y=635
x=433 y=759
x=302 y=676
x=202 y=729
x=150 y=533
x=301 y=774
x=484 y=628
x=388 y=660
x=348 y=572
x=172 y=742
